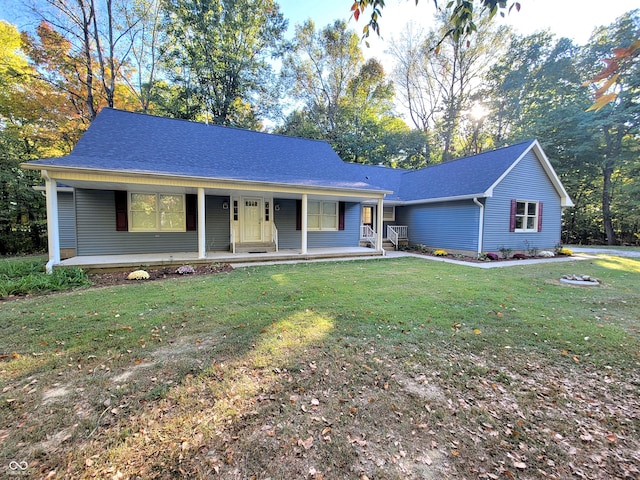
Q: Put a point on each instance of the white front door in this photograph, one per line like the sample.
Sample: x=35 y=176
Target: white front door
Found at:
x=252 y=220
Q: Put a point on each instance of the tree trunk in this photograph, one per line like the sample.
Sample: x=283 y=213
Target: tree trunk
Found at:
x=610 y=235
x=613 y=140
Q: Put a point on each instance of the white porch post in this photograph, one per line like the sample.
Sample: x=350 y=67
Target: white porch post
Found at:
x=380 y=226
x=53 y=229
x=303 y=213
x=202 y=239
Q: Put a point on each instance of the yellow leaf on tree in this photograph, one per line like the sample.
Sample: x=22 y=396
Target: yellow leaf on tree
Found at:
x=606 y=85
x=602 y=101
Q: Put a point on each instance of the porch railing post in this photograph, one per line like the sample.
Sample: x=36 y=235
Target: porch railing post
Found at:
x=379 y=222
x=303 y=240
x=53 y=230
x=202 y=240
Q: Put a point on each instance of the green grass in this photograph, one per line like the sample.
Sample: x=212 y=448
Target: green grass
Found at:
x=390 y=366
x=22 y=276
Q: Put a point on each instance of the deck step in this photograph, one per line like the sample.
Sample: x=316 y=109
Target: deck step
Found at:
x=387 y=244
x=255 y=247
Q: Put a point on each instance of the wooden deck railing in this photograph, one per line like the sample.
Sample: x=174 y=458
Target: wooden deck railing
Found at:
x=395 y=233
x=367 y=233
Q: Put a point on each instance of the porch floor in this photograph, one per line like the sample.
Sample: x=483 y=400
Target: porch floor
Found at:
x=121 y=262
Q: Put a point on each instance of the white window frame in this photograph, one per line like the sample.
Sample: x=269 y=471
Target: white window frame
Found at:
x=158 y=212
x=526 y=216
x=322 y=224
x=385 y=216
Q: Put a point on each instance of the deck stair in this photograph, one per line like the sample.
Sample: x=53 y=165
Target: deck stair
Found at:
x=255 y=247
x=398 y=236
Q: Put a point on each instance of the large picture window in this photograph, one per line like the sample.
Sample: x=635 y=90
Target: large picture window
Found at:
x=322 y=215
x=157 y=212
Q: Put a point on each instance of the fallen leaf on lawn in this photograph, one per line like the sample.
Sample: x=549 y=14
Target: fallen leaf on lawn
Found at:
x=326 y=430
x=520 y=465
x=360 y=441
x=612 y=438
x=315 y=402
x=307 y=444
x=477 y=331
x=586 y=437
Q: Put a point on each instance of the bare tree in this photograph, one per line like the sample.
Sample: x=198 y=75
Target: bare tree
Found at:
x=437 y=77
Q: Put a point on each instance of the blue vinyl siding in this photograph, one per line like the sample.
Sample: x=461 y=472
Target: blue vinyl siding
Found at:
x=97 y=235
x=66 y=220
x=289 y=237
x=527 y=181
x=452 y=225
x=218 y=221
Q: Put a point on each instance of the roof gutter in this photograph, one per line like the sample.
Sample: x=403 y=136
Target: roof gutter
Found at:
x=205 y=180
x=480 y=224
x=445 y=199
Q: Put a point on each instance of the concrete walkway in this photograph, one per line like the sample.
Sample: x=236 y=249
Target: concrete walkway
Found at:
x=606 y=251
x=580 y=253
x=389 y=255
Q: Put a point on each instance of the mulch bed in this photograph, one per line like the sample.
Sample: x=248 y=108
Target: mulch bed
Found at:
x=163 y=273
x=464 y=258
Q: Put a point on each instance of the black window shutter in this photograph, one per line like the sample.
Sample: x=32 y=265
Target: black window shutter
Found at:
x=512 y=222
x=341 y=216
x=191 y=207
x=122 y=222
x=540 y=216
x=298 y=214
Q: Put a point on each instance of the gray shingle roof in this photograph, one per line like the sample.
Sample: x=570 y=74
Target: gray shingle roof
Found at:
x=467 y=176
x=136 y=143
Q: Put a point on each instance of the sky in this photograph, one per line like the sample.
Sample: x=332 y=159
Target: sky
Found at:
x=575 y=19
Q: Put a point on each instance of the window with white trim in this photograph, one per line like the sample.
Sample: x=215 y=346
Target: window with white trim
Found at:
x=526 y=216
x=389 y=213
x=322 y=215
x=157 y=212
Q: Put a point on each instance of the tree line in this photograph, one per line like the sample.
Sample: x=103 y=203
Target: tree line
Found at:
x=229 y=62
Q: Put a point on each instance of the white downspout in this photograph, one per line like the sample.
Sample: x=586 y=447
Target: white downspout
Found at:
x=480 y=224
x=303 y=227
x=53 y=230
x=202 y=240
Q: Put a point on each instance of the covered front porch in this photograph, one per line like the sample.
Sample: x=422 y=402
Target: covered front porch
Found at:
x=94 y=263
x=230 y=222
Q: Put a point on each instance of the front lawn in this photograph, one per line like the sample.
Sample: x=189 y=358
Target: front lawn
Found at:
x=379 y=369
